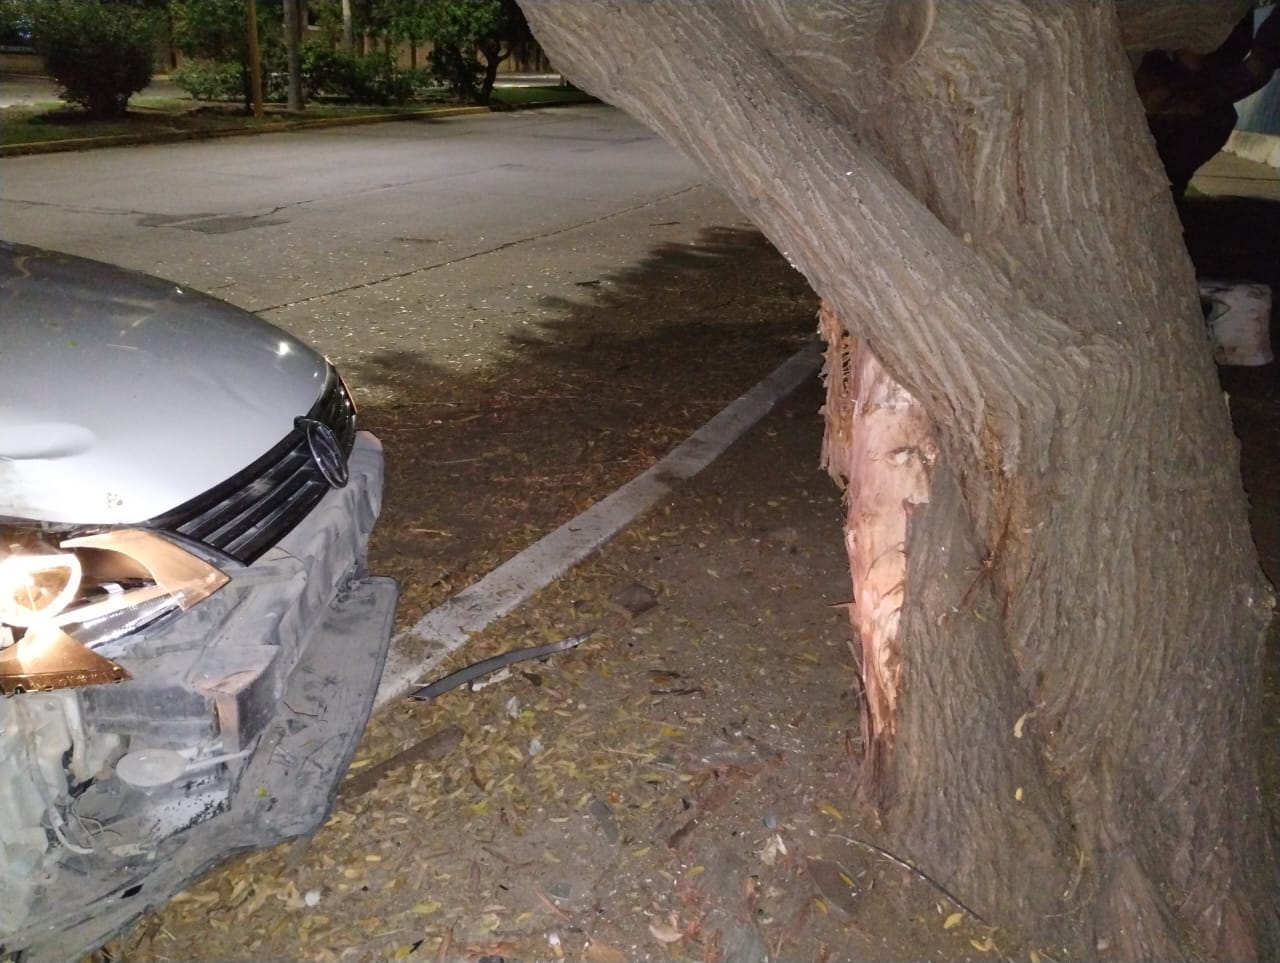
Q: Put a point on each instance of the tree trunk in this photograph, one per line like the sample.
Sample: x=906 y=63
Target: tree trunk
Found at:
x=1063 y=705
x=348 y=27
x=251 y=73
x=493 y=57
x=293 y=52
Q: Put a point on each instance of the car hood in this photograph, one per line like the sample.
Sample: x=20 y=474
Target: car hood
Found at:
x=125 y=396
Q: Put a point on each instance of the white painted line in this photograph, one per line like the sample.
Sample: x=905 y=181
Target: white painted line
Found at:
x=450 y=624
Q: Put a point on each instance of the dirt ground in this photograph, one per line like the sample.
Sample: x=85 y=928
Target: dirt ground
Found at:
x=677 y=787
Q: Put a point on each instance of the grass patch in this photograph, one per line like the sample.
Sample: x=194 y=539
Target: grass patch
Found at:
x=525 y=96
x=160 y=118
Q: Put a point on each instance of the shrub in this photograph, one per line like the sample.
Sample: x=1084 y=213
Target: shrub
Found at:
x=99 y=53
x=377 y=80
x=210 y=80
x=372 y=79
x=325 y=70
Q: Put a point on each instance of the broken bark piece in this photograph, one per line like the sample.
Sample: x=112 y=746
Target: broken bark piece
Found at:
x=634 y=599
x=431 y=749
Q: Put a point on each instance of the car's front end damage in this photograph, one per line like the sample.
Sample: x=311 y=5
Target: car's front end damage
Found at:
x=192 y=683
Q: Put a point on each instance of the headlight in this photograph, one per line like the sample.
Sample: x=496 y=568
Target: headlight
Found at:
x=61 y=598
x=36 y=588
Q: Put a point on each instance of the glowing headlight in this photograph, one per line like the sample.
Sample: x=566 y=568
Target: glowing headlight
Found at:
x=63 y=595
x=35 y=588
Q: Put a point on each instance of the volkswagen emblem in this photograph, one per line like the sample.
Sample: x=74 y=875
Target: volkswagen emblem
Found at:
x=326 y=451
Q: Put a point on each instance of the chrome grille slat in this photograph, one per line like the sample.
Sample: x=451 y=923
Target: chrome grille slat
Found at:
x=257 y=540
x=212 y=522
x=251 y=511
x=243 y=513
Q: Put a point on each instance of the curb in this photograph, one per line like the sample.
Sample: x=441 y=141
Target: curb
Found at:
x=179 y=136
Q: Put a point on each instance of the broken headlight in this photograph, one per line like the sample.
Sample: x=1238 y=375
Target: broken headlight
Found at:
x=62 y=599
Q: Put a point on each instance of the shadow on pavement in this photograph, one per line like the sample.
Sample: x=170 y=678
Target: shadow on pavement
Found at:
x=481 y=464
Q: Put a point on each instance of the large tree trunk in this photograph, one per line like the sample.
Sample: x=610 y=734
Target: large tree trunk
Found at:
x=1063 y=718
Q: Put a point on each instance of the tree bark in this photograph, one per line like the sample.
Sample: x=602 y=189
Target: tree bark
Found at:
x=293 y=52
x=493 y=57
x=1070 y=741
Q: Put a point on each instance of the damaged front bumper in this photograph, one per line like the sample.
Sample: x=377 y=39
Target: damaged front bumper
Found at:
x=238 y=720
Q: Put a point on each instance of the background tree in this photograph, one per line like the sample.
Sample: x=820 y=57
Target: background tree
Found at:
x=1060 y=612
x=470 y=40
x=100 y=53
x=293 y=28
x=216 y=30
x=408 y=22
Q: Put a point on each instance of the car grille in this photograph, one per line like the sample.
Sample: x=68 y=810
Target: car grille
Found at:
x=255 y=508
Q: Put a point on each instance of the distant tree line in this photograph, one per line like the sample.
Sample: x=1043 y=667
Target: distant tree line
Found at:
x=101 y=52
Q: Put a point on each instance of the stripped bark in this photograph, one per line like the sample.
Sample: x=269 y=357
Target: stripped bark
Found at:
x=878 y=447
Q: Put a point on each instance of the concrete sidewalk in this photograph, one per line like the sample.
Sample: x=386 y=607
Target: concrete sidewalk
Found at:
x=1227 y=175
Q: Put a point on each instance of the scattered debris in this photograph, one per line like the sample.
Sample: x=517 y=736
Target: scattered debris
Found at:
x=502 y=675
x=602 y=813
x=431 y=749
x=835 y=883
x=774 y=848
x=665 y=932
x=597 y=952
x=494 y=663
x=666 y=682
x=634 y=599
x=914 y=870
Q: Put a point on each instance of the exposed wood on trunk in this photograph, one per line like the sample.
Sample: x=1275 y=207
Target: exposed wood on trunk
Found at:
x=878 y=446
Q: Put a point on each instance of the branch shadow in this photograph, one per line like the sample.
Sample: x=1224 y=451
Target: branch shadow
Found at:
x=481 y=463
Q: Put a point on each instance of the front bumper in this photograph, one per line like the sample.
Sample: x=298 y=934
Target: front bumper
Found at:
x=264 y=688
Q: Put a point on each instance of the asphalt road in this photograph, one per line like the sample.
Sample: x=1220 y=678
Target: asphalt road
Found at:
x=435 y=237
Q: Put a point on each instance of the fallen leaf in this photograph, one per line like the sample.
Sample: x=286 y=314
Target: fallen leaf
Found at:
x=952 y=921
x=239 y=893
x=665 y=933
x=830 y=810
x=984 y=945
x=595 y=952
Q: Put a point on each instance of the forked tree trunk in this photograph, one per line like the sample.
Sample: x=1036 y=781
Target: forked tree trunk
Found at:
x=1064 y=730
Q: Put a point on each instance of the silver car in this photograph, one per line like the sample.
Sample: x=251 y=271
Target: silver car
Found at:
x=189 y=641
